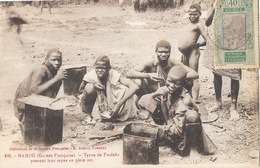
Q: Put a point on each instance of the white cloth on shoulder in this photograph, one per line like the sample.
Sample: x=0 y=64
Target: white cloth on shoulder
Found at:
x=115 y=91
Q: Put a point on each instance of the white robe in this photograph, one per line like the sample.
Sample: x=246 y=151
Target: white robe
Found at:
x=115 y=91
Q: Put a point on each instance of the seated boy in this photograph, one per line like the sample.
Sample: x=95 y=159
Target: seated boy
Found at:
x=106 y=93
x=189 y=45
x=43 y=80
x=173 y=107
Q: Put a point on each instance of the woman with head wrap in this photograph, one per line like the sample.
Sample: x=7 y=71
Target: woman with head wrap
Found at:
x=43 y=80
x=107 y=94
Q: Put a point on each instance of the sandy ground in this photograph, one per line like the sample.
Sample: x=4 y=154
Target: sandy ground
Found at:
x=128 y=38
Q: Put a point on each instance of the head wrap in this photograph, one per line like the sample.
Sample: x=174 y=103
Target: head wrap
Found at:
x=163 y=43
x=195 y=8
x=177 y=72
x=102 y=60
x=53 y=50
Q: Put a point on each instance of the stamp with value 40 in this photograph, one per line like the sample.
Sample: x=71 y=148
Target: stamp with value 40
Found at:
x=235 y=34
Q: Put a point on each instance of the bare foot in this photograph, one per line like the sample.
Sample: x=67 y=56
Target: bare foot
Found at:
x=89 y=120
x=194 y=156
x=106 y=114
x=234 y=116
x=216 y=107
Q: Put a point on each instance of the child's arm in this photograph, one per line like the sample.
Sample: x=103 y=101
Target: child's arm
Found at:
x=132 y=88
x=161 y=91
x=81 y=87
x=37 y=87
x=203 y=34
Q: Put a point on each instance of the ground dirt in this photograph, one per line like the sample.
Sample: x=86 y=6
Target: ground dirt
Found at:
x=128 y=38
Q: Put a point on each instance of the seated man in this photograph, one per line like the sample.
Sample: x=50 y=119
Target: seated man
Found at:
x=106 y=93
x=43 y=80
x=152 y=74
x=174 y=108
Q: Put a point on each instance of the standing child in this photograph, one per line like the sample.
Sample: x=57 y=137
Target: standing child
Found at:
x=189 y=45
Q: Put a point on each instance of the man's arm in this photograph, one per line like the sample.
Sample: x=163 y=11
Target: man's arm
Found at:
x=191 y=74
x=132 y=88
x=38 y=88
x=209 y=17
x=139 y=72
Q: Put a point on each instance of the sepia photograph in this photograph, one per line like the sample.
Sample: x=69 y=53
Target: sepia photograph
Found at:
x=129 y=83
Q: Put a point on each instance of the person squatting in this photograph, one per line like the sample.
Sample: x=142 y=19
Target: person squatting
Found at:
x=109 y=96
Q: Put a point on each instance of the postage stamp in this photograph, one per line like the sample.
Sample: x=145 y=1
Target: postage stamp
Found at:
x=235 y=35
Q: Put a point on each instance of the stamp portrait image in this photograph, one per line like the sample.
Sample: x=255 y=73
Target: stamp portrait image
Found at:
x=129 y=83
x=235 y=35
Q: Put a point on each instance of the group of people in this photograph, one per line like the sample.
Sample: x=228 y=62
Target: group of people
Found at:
x=142 y=5
x=163 y=90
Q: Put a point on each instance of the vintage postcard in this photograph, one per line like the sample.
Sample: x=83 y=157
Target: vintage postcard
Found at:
x=129 y=83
